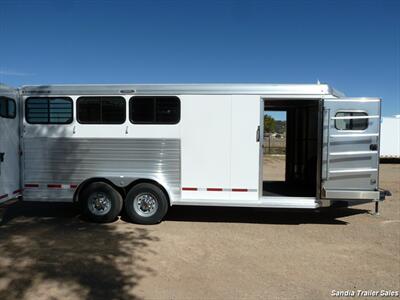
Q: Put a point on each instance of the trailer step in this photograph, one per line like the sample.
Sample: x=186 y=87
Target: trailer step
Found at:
x=265 y=202
x=290 y=202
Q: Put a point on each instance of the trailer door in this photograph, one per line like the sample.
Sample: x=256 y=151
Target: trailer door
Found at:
x=9 y=145
x=350 y=152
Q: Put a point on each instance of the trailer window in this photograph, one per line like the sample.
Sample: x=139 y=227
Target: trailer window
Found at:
x=101 y=110
x=155 y=110
x=345 y=120
x=48 y=110
x=7 y=108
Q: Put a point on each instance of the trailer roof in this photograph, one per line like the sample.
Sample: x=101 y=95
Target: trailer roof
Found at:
x=4 y=87
x=7 y=90
x=179 y=89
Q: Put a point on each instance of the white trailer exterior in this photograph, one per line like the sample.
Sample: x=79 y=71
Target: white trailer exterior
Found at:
x=146 y=147
x=10 y=185
x=390 y=138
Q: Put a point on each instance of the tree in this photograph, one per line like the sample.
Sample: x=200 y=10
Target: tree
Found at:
x=269 y=124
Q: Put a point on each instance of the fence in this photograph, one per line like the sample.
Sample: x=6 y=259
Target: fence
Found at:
x=273 y=145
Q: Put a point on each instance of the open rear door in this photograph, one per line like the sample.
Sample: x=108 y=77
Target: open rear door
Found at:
x=350 y=151
x=9 y=145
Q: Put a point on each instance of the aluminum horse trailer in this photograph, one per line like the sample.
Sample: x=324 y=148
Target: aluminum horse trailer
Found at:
x=142 y=148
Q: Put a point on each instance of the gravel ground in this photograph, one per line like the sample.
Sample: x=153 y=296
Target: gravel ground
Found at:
x=48 y=252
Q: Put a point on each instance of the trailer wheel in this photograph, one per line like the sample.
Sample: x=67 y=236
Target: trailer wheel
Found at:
x=100 y=202
x=146 y=203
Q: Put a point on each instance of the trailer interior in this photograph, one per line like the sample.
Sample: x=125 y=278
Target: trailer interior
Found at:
x=301 y=155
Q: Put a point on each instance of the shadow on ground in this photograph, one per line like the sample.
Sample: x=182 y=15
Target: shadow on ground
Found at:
x=261 y=215
x=47 y=251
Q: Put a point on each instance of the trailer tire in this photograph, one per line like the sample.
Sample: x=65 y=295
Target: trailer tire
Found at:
x=146 y=203
x=100 y=202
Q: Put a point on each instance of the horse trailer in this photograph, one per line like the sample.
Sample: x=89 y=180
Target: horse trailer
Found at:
x=143 y=148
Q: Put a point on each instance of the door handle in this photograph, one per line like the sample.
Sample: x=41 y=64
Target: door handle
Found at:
x=373 y=147
x=2 y=154
x=258 y=134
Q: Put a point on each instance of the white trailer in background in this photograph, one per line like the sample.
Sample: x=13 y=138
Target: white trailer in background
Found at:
x=390 y=138
x=143 y=148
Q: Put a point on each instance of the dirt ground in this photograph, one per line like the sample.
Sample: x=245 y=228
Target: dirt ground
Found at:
x=274 y=167
x=48 y=252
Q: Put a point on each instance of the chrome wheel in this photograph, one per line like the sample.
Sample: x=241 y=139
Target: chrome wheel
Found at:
x=145 y=204
x=99 y=203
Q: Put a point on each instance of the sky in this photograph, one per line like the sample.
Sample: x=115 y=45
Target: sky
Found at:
x=352 y=45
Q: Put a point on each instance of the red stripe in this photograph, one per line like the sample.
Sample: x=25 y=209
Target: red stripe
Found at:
x=73 y=186
x=17 y=191
x=240 y=190
x=3 y=196
x=214 y=189
x=189 y=189
x=31 y=185
x=54 y=186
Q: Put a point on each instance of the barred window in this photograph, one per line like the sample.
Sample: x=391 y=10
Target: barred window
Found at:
x=348 y=120
x=49 y=110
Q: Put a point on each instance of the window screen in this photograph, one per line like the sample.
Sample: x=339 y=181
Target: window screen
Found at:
x=7 y=108
x=101 y=110
x=349 y=123
x=155 y=110
x=48 y=110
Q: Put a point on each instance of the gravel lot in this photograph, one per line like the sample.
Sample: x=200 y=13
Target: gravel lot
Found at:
x=49 y=252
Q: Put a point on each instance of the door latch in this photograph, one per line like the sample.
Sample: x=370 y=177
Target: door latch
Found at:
x=373 y=147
